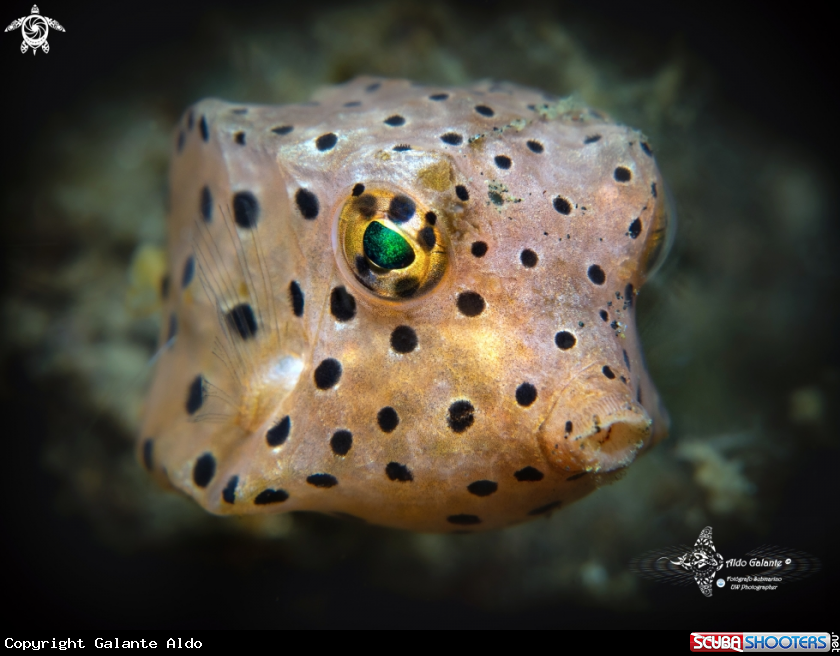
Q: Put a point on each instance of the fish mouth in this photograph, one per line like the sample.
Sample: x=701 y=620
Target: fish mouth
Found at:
x=593 y=430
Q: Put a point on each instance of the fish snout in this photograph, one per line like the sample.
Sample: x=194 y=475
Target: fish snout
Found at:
x=596 y=430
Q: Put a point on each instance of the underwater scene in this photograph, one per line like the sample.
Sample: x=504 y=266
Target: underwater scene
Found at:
x=419 y=315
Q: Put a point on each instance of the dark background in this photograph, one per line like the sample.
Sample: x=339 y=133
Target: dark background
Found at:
x=780 y=67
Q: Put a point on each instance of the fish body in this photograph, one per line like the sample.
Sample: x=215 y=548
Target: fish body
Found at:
x=410 y=305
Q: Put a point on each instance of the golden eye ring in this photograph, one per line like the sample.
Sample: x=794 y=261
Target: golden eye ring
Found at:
x=391 y=243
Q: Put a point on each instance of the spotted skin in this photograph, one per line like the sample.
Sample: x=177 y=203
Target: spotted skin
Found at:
x=468 y=386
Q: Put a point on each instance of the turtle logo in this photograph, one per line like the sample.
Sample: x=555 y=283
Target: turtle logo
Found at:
x=702 y=561
x=35 y=29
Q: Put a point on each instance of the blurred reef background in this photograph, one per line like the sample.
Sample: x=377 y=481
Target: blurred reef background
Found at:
x=740 y=327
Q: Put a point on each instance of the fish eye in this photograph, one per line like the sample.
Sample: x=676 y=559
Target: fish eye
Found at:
x=388 y=243
x=661 y=235
x=386 y=248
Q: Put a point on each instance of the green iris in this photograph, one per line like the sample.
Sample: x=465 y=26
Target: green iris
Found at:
x=386 y=248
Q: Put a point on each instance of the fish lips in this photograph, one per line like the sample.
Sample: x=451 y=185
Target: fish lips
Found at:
x=594 y=429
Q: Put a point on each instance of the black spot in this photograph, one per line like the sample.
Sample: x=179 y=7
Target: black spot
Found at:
x=568 y=428
x=452 y=138
x=462 y=193
x=431 y=218
x=653 y=189
x=341 y=441
x=427 y=236
x=608 y=372
x=403 y=339
x=388 y=419
x=574 y=477
x=542 y=510
x=622 y=174
x=596 y=274
x=646 y=148
x=395 y=121
x=205 y=132
x=604 y=315
x=592 y=139
x=173 y=326
x=439 y=96
x=181 y=140
x=189 y=271
x=270 y=496
x=240 y=111
x=246 y=209
x=229 y=493
x=239 y=138
x=148 y=450
x=358 y=189
x=461 y=416
x=470 y=304
x=279 y=433
x=496 y=198
x=205 y=203
x=502 y=161
x=327 y=374
x=478 y=248
x=406 y=287
x=562 y=205
x=164 y=287
x=401 y=148
x=535 y=146
x=528 y=475
x=635 y=228
x=528 y=258
x=326 y=141
x=204 y=470
x=526 y=394
x=352 y=103
x=397 y=472
x=241 y=318
x=342 y=304
x=322 y=480
x=283 y=129
x=362 y=265
x=370 y=88
x=366 y=205
x=629 y=292
x=463 y=520
x=307 y=203
x=484 y=110
x=195 y=395
x=401 y=208
x=296 y=294
x=483 y=488
x=626 y=359
x=565 y=340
